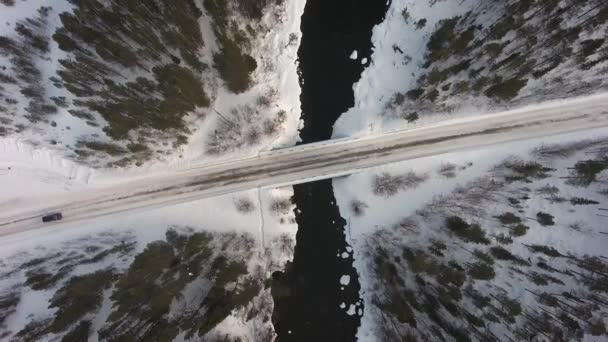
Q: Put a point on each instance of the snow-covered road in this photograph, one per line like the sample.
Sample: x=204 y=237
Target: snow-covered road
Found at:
x=311 y=162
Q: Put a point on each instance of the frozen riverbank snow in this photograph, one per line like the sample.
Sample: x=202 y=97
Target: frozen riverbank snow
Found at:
x=399 y=49
x=381 y=213
x=273 y=234
x=29 y=166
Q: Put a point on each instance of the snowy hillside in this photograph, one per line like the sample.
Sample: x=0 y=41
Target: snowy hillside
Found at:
x=438 y=59
x=505 y=243
x=122 y=83
x=177 y=272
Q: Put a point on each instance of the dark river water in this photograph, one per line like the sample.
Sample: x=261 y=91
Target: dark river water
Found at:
x=308 y=307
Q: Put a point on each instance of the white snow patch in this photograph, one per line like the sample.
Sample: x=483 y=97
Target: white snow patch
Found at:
x=393 y=71
x=151 y=225
x=351 y=310
x=383 y=211
x=26 y=170
x=39 y=167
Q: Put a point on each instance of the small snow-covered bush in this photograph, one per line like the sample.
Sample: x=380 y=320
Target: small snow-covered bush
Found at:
x=586 y=172
x=546 y=250
x=508 y=218
x=244 y=205
x=548 y=190
x=503 y=239
x=469 y=199
x=545 y=219
x=519 y=230
x=525 y=171
x=358 y=207
x=448 y=170
x=465 y=231
x=280 y=206
x=243 y=126
x=286 y=244
x=263 y=101
x=502 y=254
x=582 y=201
x=565 y=150
x=483 y=256
x=481 y=271
x=541 y=279
x=411 y=116
x=387 y=185
x=506 y=90
x=597 y=328
x=252 y=137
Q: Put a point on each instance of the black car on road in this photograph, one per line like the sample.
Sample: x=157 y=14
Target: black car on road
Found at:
x=52 y=217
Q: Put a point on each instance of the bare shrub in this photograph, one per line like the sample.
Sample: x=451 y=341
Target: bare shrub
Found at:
x=293 y=39
x=263 y=101
x=244 y=125
x=280 y=206
x=252 y=136
x=286 y=244
x=550 y=190
x=556 y=199
x=387 y=185
x=552 y=193
x=281 y=116
x=234 y=130
x=469 y=199
x=448 y=170
x=270 y=127
x=503 y=238
x=408 y=223
x=565 y=150
x=517 y=170
x=578 y=226
x=358 y=207
x=244 y=205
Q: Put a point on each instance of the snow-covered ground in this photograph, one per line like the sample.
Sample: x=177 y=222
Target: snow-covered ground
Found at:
x=303 y=163
x=29 y=165
x=369 y=214
x=274 y=227
x=26 y=170
x=275 y=79
x=470 y=165
x=399 y=52
x=265 y=215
